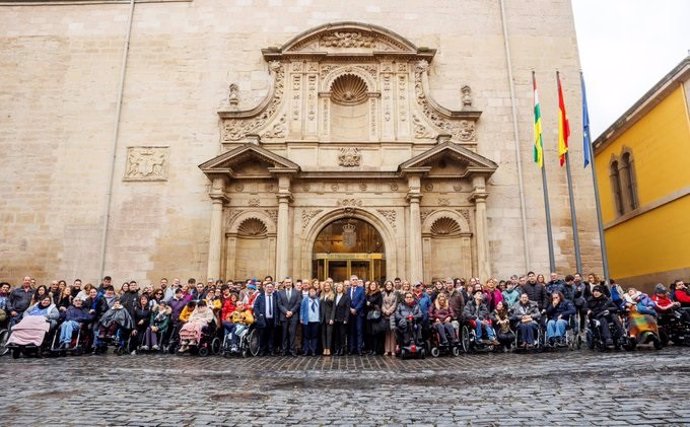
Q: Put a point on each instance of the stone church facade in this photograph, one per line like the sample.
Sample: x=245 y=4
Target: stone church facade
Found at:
x=315 y=140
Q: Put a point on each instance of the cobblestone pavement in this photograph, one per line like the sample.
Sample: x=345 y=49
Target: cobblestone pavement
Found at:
x=644 y=387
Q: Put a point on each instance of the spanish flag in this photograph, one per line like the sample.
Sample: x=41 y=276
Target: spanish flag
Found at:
x=538 y=143
x=563 y=127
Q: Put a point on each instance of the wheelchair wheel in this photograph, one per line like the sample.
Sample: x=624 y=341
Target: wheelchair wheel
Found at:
x=465 y=338
x=4 y=335
x=456 y=351
x=435 y=352
x=215 y=346
x=203 y=351
x=16 y=352
x=658 y=345
x=630 y=344
x=253 y=343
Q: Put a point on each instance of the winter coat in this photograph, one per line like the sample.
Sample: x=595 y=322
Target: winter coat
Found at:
x=530 y=309
x=537 y=293
x=129 y=301
x=141 y=314
x=440 y=314
x=511 y=296
x=456 y=301
x=492 y=298
x=327 y=307
x=599 y=305
x=79 y=315
x=19 y=299
x=120 y=316
x=569 y=292
x=404 y=311
x=373 y=302
x=160 y=318
x=555 y=286
x=176 y=307
x=424 y=302
x=565 y=309
x=51 y=313
x=306 y=306
x=499 y=321
x=389 y=303
x=683 y=297
x=476 y=312
x=244 y=317
x=201 y=315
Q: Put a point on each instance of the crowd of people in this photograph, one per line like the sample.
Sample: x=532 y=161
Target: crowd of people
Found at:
x=312 y=317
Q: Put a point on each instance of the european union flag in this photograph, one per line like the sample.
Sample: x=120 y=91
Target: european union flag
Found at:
x=586 y=138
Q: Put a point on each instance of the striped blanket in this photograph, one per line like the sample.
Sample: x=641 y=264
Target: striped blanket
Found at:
x=640 y=323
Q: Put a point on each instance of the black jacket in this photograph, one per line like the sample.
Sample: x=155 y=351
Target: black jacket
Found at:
x=342 y=309
x=599 y=305
x=537 y=293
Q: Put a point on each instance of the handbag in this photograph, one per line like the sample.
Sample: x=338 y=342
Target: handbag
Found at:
x=374 y=315
x=379 y=326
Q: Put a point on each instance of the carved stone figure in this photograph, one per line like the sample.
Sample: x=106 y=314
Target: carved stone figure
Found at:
x=349 y=157
x=146 y=164
x=466 y=96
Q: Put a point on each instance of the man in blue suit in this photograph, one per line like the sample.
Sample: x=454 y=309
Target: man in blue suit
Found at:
x=266 y=314
x=289 y=301
x=356 y=322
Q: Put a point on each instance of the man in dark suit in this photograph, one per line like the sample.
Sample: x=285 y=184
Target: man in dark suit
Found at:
x=266 y=318
x=289 y=301
x=356 y=322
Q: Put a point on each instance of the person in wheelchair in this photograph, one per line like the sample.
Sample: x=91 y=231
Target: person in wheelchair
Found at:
x=525 y=314
x=666 y=307
x=158 y=326
x=501 y=319
x=602 y=309
x=238 y=325
x=73 y=318
x=408 y=318
x=477 y=314
x=46 y=308
x=200 y=319
x=558 y=313
x=441 y=317
x=116 y=319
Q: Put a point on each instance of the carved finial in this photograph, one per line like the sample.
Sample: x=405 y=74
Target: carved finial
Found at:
x=466 y=97
x=234 y=95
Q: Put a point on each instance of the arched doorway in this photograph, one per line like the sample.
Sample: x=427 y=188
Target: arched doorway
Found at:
x=349 y=246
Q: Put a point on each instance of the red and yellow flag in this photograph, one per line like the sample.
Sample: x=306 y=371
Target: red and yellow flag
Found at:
x=563 y=127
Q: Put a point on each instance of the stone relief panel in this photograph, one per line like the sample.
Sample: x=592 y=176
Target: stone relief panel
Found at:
x=307 y=216
x=349 y=157
x=146 y=164
x=273 y=214
x=390 y=216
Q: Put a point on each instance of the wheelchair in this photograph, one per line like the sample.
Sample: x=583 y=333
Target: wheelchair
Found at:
x=409 y=341
x=570 y=341
x=248 y=346
x=120 y=341
x=539 y=338
x=436 y=349
x=209 y=342
x=469 y=341
x=672 y=328
x=595 y=339
x=78 y=345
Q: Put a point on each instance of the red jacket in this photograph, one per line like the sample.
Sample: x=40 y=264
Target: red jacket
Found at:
x=683 y=297
x=228 y=308
x=663 y=302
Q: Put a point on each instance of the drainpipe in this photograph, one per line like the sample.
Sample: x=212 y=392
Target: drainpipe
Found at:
x=116 y=133
x=516 y=137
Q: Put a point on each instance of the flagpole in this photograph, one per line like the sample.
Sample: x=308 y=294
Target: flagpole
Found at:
x=576 y=237
x=549 y=231
x=595 y=182
x=565 y=130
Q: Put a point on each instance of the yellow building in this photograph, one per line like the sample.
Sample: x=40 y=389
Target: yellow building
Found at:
x=643 y=164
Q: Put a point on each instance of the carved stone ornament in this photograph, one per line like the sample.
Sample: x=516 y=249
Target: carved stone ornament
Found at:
x=351 y=203
x=334 y=187
x=254 y=202
x=278 y=130
x=443 y=202
x=445 y=226
x=347 y=39
x=237 y=129
x=233 y=95
x=231 y=215
x=390 y=216
x=146 y=164
x=465 y=214
x=349 y=157
x=273 y=214
x=424 y=213
x=307 y=216
x=466 y=96
x=394 y=186
x=362 y=186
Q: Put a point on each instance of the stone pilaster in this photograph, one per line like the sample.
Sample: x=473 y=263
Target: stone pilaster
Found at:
x=479 y=196
x=414 y=238
x=215 y=240
x=283 y=232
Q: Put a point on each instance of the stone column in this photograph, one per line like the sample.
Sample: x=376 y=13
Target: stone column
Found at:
x=479 y=196
x=215 y=239
x=414 y=237
x=283 y=233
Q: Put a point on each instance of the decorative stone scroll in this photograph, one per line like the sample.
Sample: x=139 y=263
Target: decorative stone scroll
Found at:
x=350 y=203
x=347 y=39
x=465 y=214
x=273 y=214
x=146 y=164
x=390 y=216
x=307 y=216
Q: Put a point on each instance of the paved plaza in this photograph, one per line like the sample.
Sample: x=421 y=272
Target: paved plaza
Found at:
x=644 y=387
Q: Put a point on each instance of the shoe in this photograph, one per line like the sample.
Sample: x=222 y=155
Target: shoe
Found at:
x=155 y=347
x=609 y=342
x=133 y=353
x=144 y=348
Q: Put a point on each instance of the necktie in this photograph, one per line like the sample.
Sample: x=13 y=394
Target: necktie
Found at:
x=270 y=306
x=313 y=306
x=352 y=293
x=289 y=294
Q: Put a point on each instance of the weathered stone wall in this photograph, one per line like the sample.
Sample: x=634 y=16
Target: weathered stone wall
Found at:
x=60 y=68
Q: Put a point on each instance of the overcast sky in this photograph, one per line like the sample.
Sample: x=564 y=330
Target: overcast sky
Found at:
x=626 y=47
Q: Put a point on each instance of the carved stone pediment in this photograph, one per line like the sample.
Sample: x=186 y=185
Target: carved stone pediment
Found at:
x=349 y=82
x=470 y=162
x=247 y=159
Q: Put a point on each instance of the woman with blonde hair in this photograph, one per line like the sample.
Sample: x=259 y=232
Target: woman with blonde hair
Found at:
x=441 y=317
x=340 y=317
x=327 y=317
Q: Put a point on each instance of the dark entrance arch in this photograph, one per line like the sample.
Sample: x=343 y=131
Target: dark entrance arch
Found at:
x=349 y=246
